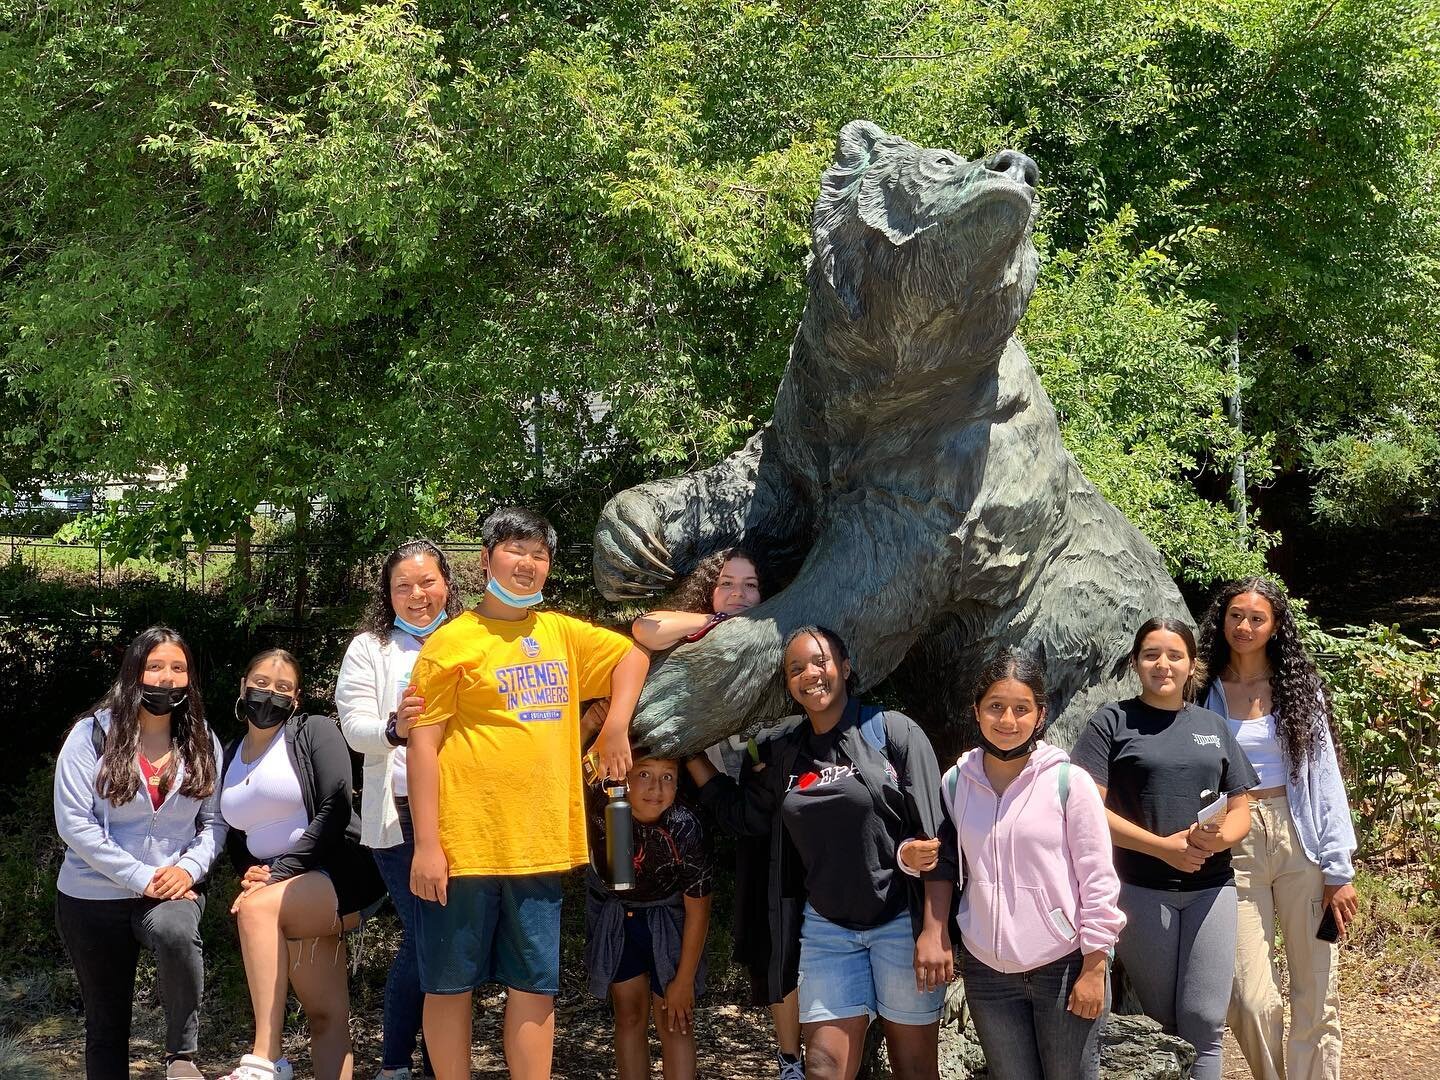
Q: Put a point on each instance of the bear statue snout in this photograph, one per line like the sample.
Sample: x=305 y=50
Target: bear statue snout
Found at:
x=1016 y=166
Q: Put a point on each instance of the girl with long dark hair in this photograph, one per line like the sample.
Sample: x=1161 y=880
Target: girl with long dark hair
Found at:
x=1294 y=866
x=304 y=877
x=414 y=594
x=1174 y=782
x=137 y=805
x=837 y=796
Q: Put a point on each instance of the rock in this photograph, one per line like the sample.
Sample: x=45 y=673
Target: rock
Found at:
x=1131 y=1048
x=1134 y=1048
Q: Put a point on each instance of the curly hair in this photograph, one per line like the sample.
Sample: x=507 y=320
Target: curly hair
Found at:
x=1297 y=696
x=117 y=780
x=696 y=591
x=379 y=617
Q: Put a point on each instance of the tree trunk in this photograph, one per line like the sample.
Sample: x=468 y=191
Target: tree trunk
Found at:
x=1242 y=508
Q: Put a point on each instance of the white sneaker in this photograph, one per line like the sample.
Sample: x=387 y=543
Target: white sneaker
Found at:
x=254 y=1067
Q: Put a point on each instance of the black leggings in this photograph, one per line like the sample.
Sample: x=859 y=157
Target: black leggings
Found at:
x=104 y=939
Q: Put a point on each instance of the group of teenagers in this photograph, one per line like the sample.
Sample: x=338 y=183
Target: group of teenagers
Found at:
x=1185 y=828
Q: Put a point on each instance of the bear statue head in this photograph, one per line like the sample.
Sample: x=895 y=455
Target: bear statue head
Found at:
x=912 y=241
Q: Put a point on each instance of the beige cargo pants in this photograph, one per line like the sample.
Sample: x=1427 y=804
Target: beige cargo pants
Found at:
x=1276 y=883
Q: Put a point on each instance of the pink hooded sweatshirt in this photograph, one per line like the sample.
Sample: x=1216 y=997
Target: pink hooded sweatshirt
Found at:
x=1040 y=879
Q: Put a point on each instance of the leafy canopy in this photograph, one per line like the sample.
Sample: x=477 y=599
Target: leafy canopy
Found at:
x=412 y=258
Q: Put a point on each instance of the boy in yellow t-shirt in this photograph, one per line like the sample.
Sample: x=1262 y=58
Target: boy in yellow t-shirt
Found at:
x=496 y=794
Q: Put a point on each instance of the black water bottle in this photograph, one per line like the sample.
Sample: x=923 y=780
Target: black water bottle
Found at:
x=619 y=836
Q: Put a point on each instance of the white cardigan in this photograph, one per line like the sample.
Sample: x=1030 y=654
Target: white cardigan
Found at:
x=366 y=693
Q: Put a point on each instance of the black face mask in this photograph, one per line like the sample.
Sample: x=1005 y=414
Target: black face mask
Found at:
x=1027 y=747
x=263 y=708
x=163 y=700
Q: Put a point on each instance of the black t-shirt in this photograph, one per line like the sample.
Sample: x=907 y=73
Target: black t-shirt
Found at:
x=1154 y=765
x=847 y=850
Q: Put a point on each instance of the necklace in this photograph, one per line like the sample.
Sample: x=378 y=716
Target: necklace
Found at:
x=1231 y=675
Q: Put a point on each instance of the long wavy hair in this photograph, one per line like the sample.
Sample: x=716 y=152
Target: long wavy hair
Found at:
x=379 y=617
x=118 y=778
x=1297 y=695
x=696 y=591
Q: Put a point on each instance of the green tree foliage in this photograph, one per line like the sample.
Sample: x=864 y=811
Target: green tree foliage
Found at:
x=397 y=255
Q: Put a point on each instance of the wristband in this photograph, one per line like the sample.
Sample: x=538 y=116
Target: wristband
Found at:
x=392 y=736
x=715 y=620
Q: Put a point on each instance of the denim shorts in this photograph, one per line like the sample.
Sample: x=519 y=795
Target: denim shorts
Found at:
x=845 y=973
x=491 y=930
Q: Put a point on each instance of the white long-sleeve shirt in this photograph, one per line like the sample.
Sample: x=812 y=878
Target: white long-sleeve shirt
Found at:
x=372 y=677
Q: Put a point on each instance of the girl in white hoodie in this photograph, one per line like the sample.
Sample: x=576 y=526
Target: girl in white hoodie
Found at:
x=1025 y=835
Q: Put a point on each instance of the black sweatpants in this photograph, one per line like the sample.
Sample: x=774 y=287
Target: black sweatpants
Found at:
x=104 y=939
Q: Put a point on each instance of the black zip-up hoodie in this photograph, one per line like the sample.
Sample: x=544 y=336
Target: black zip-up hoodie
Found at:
x=754 y=810
x=321 y=760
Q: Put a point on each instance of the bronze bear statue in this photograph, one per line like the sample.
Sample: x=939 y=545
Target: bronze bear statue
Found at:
x=912 y=477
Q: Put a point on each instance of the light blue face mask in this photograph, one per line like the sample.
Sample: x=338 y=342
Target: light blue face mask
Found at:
x=421 y=631
x=515 y=600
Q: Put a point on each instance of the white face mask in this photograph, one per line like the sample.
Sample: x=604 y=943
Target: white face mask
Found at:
x=515 y=600
x=421 y=631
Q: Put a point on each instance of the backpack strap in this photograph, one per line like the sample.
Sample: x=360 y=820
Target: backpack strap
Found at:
x=949 y=784
x=872 y=728
x=97 y=738
x=950 y=789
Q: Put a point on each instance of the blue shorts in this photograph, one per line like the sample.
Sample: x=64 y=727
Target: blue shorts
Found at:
x=491 y=929
x=845 y=973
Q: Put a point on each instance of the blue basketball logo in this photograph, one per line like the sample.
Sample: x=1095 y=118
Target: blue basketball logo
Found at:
x=531 y=647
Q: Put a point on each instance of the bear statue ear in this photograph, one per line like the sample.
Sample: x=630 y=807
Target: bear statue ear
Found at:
x=890 y=205
x=856 y=141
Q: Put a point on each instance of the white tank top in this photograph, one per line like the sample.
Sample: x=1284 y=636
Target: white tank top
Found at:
x=1261 y=745
x=263 y=800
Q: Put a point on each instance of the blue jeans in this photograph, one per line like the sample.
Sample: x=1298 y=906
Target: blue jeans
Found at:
x=1025 y=1027
x=845 y=973
x=404 y=1001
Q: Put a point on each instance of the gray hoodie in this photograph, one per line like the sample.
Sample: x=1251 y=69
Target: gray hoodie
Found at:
x=112 y=852
x=1318 y=805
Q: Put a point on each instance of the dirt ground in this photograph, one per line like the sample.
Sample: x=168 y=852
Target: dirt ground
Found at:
x=1387 y=1037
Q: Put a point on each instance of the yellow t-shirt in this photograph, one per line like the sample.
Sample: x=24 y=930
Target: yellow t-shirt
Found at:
x=509 y=696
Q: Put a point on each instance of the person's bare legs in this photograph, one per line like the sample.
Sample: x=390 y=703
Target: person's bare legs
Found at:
x=447 y=1034
x=299 y=907
x=914 y=1050
x=833 y=1048
x=317 y=972
x=631 y=1001
x=529 y=1034
x=677 y=1048
x=785 y=1015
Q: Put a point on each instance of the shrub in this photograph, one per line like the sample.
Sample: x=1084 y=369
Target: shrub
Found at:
x=1385 y=688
